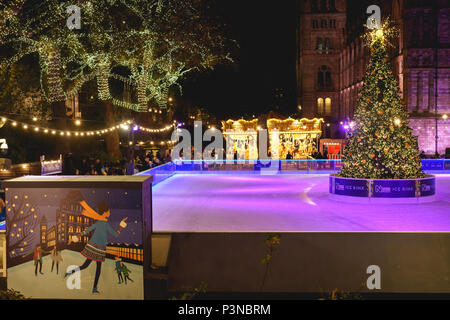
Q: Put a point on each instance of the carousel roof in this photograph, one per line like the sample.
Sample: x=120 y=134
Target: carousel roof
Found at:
x=290 y=125
x=239 y=125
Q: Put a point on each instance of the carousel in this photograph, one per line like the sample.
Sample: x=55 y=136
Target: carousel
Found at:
x=241 y=137
x=298 y=138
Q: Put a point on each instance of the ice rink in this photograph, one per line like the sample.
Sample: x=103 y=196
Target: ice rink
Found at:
x=196 y=202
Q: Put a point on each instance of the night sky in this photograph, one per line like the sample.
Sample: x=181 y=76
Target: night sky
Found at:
x=265 y=60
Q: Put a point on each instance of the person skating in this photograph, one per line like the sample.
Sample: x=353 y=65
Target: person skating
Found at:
x=55 y=254
x=118 y=269
x=37 y=257
x=95 y=249
x=126 y=272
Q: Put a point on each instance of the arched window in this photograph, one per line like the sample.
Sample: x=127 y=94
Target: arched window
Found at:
x=327 y=44
x=324 y=77
x=320 y=106
x=319 y=44
x=332 y=5
x=320 y=82
x=328 y=78
x=327 y=106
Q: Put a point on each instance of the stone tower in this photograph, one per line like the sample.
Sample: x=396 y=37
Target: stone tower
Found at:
x=320 y=37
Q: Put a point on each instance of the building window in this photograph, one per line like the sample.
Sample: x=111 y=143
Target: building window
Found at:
x=323 y=6
x=324 y=77
x=327 y=79
x=314 y=7
x=319 y=44
x=327 y=106
x=323 y=24
x=327 y=44
x=332 y=5
x=320 y=106
x=333 y=24
x=315 y=24
x=320 y=79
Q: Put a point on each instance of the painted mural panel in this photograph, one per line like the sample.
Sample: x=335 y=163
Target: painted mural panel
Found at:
x=75 y=243
x=2 y=254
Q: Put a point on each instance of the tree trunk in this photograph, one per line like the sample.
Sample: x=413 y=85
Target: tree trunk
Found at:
x=60 y=122
x=57 y=98
x=111 y=138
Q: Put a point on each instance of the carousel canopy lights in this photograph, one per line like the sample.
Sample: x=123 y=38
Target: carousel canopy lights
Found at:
x=239 y=126
x=292 y=126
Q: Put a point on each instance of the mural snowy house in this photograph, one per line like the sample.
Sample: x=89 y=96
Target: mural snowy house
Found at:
x=70 y=221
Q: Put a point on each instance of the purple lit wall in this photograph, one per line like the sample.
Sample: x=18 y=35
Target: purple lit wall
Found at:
x=425 y=130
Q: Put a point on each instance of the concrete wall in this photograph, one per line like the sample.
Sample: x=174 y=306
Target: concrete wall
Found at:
x=311 y=262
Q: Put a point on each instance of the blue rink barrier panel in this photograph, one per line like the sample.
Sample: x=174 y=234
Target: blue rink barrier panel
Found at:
x=165 y=171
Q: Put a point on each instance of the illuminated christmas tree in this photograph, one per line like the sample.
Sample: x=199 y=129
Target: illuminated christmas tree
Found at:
x=380 y=144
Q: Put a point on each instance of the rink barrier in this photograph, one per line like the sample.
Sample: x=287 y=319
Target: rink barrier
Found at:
x=383 y=188
x=322 y=166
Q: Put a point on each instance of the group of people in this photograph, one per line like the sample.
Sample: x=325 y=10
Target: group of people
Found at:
x=94 y=166
x=435 y=156
x=148 y=161
x=38 y=252
x=122 y=270
x=319 y=155
x=123 y=273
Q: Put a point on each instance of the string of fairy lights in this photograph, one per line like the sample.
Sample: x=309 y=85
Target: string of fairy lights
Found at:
x=125 y=125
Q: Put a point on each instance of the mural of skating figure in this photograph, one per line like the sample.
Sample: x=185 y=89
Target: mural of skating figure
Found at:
x=126 y=272
x=37 y=257
x=118 y=270
x=56 y=258
x=95 y=249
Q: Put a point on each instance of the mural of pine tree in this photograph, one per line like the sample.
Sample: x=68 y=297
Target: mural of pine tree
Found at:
x=381 y=145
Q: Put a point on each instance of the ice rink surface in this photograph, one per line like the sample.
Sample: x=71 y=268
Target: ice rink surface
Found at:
x=196 y=202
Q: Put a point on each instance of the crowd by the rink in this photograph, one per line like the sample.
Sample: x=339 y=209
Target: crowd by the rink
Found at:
x=90 y=165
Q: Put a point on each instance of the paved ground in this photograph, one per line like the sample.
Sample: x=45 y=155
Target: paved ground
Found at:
x=186 y=202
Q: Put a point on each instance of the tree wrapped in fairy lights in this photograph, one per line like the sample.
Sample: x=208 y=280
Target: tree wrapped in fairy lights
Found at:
x=158 y=41
x=380 y=143
x=147 y=45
